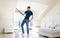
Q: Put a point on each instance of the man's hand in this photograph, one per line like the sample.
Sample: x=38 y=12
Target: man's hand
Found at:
x=16 y=8
x=29 y=20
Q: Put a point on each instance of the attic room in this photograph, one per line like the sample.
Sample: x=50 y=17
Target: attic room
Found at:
x=45 y=22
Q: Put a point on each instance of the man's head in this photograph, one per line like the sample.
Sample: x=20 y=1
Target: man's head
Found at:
x=28 y=8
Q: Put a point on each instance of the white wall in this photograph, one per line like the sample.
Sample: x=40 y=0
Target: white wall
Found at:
x=7 y=13
x=53 y=16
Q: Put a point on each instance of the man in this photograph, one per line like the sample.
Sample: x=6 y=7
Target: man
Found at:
x=26 y=20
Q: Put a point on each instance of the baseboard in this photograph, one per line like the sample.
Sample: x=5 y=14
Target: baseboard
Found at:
x=8 y=33
x=1 y=32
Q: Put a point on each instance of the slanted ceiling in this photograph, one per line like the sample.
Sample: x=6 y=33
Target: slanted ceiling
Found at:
x=48 y=2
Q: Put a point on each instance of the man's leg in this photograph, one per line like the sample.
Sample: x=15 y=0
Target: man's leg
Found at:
x=22 y=26
x=27 y=25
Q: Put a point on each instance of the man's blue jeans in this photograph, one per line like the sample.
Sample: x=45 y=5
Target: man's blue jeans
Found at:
x=27 y=25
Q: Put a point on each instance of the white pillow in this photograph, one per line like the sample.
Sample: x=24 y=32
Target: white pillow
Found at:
x=47 y=25
x=50 y=25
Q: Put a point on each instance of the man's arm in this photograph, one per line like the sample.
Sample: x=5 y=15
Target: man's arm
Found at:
x=20 y=12
x=31 y=18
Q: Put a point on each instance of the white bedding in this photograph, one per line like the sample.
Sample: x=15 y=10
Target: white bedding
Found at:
x=50 y=29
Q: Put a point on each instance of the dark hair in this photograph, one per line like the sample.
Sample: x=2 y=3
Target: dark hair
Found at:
x=28 y=7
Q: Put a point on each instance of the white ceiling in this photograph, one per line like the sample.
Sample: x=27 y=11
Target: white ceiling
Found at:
x=48 y=2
